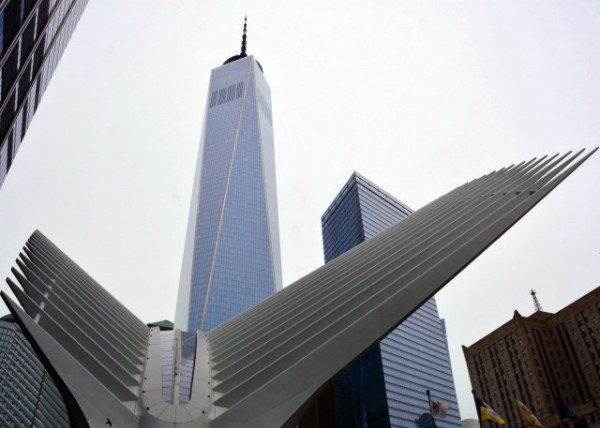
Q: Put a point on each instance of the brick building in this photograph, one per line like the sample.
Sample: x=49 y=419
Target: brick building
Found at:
x=537 y=358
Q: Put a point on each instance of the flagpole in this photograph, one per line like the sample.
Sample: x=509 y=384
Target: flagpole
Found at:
x=478 y=410
x=519 y=410
x=430 y=410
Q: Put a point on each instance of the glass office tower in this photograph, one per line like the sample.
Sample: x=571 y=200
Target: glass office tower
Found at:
x=33 y=36
x=28 y=396
x=387 y=386
x=232 y=256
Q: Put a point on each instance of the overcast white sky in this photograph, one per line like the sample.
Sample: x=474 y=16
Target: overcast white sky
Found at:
x=418 y=96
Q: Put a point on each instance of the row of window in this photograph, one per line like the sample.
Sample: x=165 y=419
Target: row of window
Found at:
x=264 y=106
x=33 y=47
x=227 y=94
x=561 y=364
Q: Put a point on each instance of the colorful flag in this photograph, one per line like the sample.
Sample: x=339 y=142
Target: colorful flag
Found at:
x=486 y=413
x=438 y=408
x=565 y=411
x=529 y=418
x=567 y=414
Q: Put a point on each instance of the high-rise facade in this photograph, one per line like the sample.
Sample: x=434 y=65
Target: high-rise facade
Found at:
x=387 y=386
x=28 y=396
x=534 y=359
x=232 y=256
x=33 y=36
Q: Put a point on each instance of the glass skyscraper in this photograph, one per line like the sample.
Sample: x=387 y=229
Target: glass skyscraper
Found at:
x=387 y=386
x=232 y=256
x=33 y=36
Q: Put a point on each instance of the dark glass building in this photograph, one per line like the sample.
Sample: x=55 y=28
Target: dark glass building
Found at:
x=232 y=257
x=387 y=386
x=33 y=36
x=28 y=396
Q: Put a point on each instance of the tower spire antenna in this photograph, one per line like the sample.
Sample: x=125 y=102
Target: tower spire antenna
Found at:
x=244 y=36
x=243 y=54
x=536 y=302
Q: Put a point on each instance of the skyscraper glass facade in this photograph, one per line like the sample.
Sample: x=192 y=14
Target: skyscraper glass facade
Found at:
x=232 y=255
x=28 y=396
x=33 y=36
x=387 y=386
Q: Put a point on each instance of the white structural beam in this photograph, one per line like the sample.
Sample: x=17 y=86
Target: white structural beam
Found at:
x=261 y=368
x=269 y=361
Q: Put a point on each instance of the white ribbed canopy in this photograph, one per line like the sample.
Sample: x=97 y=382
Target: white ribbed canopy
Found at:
x=261 y=368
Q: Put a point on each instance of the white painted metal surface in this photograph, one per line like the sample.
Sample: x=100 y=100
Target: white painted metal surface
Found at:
x=261 y=368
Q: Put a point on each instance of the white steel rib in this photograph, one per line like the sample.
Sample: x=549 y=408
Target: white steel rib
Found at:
x=261 y=368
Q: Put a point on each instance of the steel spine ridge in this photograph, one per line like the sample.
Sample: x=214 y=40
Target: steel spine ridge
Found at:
x=413 y=230
x=119 y=381
x=293 y=302
x=240 y=326
x=217 y=366
x=70 y=304
x=34 y=284
x=116 y=309
x=302 y=300
x=90 y=296
x=322 y=313
x=268 y=362
x=290 y=301
x=225 y=331
x=85 y=319
x=53 y=318
x=87 y=400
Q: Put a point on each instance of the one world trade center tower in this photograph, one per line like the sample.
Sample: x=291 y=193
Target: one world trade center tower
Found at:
x=232 y=256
